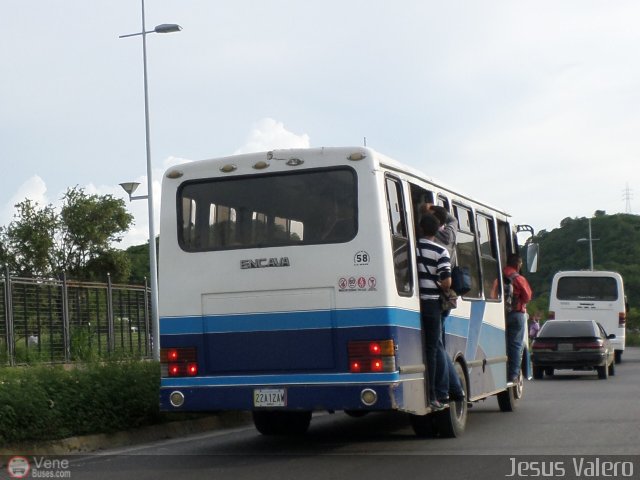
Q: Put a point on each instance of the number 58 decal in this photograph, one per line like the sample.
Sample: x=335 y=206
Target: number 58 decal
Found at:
x=361 y=258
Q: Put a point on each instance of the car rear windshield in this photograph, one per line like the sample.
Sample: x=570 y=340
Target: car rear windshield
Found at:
x=587 y=288
x=292 y=208
x=557 y=328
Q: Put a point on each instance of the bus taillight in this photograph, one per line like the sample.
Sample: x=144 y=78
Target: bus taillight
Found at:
x=172 y=355
x=179 y=362
x=551 y=316
x=372 y=356
x=622 y=319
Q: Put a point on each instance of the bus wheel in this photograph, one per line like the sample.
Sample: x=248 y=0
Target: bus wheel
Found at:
x=451 y=422
x=423 y=425
x=356 y=413
x=538 y=373
x=618 y=354
x=508 y=400
x=612 y=369
x=281 y=423
x=549 y=371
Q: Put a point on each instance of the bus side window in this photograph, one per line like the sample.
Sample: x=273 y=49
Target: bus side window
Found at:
x=504 y=235
x=467 y=249
x=488 y=257
x=399 y=238
x=443 y=202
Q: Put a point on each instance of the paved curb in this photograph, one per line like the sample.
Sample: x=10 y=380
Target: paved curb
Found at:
x=103 y=441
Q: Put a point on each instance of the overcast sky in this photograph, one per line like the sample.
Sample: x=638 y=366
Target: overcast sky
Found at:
x=533 y=106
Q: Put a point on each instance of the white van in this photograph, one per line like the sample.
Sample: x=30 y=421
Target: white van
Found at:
x=591 y=295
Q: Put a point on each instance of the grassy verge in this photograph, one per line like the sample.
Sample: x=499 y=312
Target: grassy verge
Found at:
x=46 y=403
x=632 y=339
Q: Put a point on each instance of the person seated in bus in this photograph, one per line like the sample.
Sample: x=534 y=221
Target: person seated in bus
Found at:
x=434 y=275
x=446 y=236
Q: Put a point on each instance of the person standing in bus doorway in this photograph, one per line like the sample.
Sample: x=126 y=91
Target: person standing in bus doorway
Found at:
x=446 y=236
x=434 y=275
x=516 y=321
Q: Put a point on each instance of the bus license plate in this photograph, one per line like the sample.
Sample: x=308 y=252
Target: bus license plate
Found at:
x=269 y=397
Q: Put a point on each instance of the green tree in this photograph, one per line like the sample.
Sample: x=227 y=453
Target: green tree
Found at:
x=89 y=225
x=139 y=258
x=28 y=242
x=112 y=261
x=77 y=240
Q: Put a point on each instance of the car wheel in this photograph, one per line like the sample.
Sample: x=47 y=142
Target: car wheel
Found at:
x=612 y=369
x=603 y=372
x=618 y=354
x=538 y=373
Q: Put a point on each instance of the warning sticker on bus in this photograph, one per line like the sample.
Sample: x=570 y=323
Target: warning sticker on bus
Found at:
x=269 y=397
x=357 y=284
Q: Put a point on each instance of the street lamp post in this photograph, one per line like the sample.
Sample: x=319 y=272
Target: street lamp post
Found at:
x=163 y=28
x=590 y=240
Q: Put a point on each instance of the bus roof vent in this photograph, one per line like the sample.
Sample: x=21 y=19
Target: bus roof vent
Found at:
x=228 y=168
x=260 y=165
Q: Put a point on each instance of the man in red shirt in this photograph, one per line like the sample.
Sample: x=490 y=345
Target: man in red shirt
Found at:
x=516 y=320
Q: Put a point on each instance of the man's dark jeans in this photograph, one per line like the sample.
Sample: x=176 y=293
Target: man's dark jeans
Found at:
x=432 y=327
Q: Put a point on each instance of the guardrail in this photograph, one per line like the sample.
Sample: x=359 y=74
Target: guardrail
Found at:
x=60 y=320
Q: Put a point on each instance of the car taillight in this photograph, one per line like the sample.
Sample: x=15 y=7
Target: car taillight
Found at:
x=595 y=345
x=371 y=356
x=551 y=316
x=622 y=319
x=179 y=362
x=541 y=345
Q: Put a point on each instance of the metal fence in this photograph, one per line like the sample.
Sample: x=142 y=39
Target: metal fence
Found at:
x=55 y=321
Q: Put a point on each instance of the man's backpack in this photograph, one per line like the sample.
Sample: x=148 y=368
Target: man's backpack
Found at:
x=510 y=300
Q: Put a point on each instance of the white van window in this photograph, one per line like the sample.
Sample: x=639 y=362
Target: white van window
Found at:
x=604 y=289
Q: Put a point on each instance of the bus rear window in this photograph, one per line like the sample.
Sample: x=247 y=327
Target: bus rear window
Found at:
x=300 y=208
x=604 y=289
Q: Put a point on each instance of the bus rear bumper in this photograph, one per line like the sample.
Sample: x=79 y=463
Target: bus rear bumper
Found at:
x=384 y=396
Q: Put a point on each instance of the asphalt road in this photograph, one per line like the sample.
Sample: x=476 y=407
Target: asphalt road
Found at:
x=568 y=424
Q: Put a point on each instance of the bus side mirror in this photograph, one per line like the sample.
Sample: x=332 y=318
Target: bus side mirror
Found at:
x=611 y=336
x=532 y=257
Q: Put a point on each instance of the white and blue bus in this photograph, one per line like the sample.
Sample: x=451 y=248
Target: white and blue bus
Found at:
x=288 y=285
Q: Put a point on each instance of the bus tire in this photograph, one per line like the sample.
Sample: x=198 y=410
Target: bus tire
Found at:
x=618 y=356
x=508 y=399
x=423 y=426
x=612 y=369
x=356 y=413
x=548 y=371
x=281 y=423
x=451 y=422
